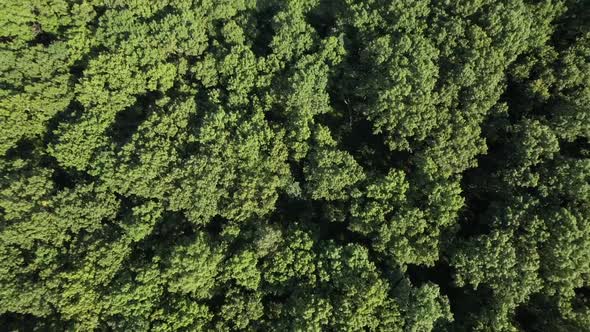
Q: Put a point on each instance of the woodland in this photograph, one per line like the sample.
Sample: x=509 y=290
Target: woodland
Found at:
x=295 y=165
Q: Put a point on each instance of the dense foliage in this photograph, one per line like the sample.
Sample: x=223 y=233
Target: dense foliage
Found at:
x=302 y=165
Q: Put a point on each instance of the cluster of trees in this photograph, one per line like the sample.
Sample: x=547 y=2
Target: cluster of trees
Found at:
x=301 y=165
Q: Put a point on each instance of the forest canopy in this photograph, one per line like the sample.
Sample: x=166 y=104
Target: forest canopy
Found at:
x=301 y=165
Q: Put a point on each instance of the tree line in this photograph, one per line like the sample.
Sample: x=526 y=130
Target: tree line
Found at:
x=301 y=165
